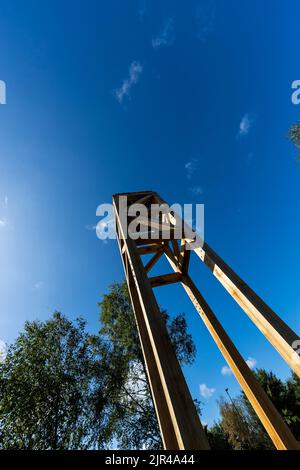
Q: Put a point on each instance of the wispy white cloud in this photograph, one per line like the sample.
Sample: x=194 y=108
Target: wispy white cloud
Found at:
x=197 y=190
x=190 y=168
x=226 y=370
x=142 y=9
x=205 y=20
x=205 y=391
x=3 y=351
x=6 y=200
x=104 y=226
x=166 y=37
x=135 y=71
x=101 y=227
x=90 y=226
x=251 y=361
x=3 y=222
x=38 y=285
x=245 y=125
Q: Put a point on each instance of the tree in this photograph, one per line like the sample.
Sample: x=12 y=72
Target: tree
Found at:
x=53 y=388
x=217 y=438
x=236 y=424
x=239 y=423
x=294 y=134
x=62 y=388
x=134 y=415
x=286 y=398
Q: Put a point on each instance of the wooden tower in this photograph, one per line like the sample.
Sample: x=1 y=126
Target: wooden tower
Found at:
x=176 y=413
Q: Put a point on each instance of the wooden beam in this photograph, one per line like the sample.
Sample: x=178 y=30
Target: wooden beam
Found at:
x=161 y=406
x=280 y=335
x=164 y=371
x=167 y=397
x=164 y=418
x=145 y=250
x=144 y=199
x=275 y=426
x=165 y=279
x=153 y=260
x=132 y=195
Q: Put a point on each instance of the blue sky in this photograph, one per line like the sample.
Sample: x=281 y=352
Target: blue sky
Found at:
x=190 y=99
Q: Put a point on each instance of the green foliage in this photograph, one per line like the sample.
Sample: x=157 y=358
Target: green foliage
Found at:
x=239 y=423
x=52 y=388
x=217 y=438
x=62 y=388
x=294 y=134
x=135 y=424
x=285 y=397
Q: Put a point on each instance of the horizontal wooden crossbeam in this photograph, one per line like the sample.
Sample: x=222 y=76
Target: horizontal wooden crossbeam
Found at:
x=145 y=250
x=165 y=279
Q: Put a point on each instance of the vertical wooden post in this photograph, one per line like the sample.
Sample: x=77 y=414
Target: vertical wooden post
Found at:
x=273 y=423
x=178 y=418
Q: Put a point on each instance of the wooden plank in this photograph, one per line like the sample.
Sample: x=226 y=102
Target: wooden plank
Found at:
x=164 y=279
x=165 y=369
x=134 y=194
x=280 y=335
x=275 y=426
x=145 y=250
x=168 y=434
x=144 y=199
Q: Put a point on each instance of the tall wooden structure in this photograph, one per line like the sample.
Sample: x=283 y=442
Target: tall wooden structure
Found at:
x=178 y=419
